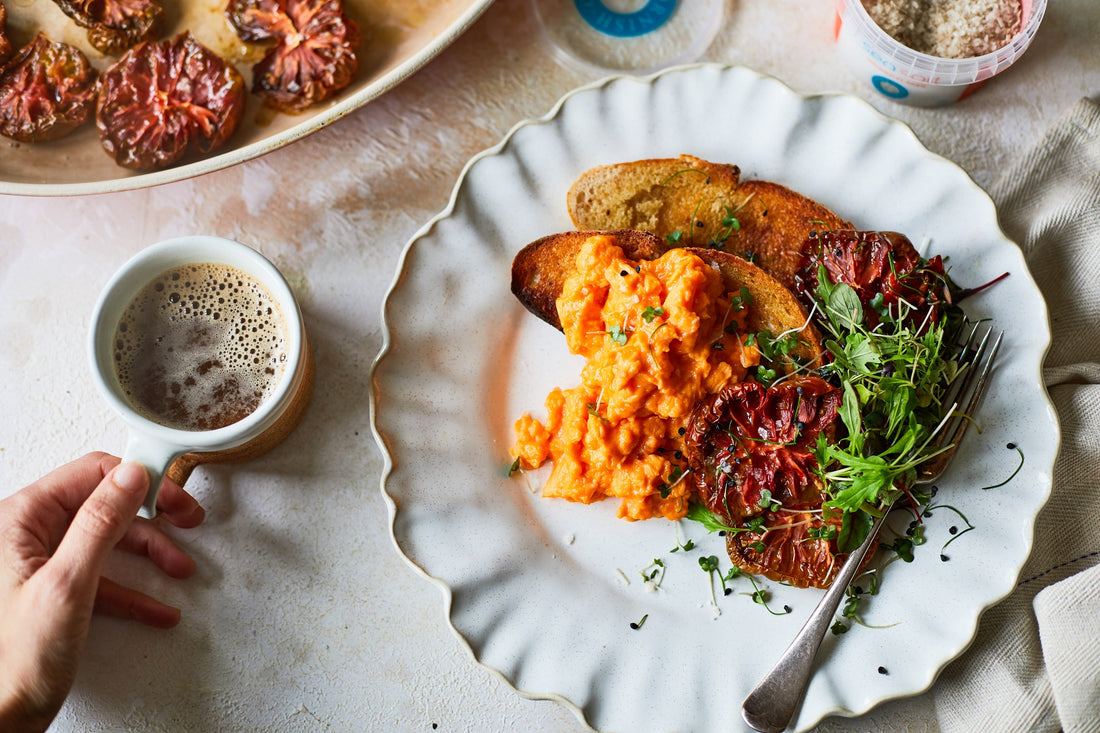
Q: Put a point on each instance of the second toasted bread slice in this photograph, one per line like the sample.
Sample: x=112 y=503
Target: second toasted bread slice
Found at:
x=690 y=202
x=540 y=269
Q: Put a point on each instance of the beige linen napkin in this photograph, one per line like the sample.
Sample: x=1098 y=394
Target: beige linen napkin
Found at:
x=1035 y=664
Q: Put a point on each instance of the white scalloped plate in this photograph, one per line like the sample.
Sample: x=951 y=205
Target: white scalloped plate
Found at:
x=543 y=591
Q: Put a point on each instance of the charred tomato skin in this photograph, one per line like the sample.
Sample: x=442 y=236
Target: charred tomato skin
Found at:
x=163 y=101
x=785 y=551
x=47 y=90
x=5 y=44
x=874 y=263
x=747 y=439
x=314 y=55
x=115 y=25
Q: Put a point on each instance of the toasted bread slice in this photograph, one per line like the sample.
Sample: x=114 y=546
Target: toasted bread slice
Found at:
x=697 y=203
x=539 y=271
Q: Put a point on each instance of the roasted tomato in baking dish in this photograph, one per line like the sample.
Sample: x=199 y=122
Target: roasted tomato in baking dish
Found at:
x=314 y=52
x=883 y=268
x=46 y=91
x=5 y=44
x=162 y=101
x=750 y=452
x=114 y=25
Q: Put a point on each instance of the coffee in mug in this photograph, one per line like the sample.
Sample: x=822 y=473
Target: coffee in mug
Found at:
x=200 y=347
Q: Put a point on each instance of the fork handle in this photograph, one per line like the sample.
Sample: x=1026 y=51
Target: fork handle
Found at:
x=771 y=705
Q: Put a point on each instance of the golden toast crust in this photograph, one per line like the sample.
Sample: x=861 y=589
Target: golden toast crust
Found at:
x=695 y=202
x=540 y=269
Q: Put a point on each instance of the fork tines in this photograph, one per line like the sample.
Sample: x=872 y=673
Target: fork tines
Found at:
x=975 y=358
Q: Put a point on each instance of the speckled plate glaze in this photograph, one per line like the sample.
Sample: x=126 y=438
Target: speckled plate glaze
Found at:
x=544 y=591
x=399 y=37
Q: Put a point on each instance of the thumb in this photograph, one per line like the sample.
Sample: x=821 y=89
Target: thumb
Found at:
x=99 y=525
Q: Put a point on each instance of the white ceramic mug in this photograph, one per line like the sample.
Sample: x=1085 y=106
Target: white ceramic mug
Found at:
x=154 y=445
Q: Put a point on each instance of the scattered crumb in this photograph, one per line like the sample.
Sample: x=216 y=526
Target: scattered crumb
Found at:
x=569 y=538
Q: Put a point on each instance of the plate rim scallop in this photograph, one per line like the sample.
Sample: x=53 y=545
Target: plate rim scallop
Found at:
x=805 y=719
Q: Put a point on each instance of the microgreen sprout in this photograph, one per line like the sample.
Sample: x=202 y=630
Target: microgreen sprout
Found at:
x=682 y=171
x=709 y=564
x=639 y=623
x=954 y=531
x=731 y=224
x=742 y=300
x=767 y=502
x=686 y=546
x=650 y=313
x=675 y=476
x=593 y=410
x=618 y=335
x=822 y=532
x=653 y=574
x=1010 y=446
x=514 y=467
x=760 y=596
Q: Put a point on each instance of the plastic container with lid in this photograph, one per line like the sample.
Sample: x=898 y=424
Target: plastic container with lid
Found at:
x=909 y=77
x=627 y=36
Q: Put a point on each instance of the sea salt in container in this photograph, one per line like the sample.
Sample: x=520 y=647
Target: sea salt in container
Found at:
x=906 y=76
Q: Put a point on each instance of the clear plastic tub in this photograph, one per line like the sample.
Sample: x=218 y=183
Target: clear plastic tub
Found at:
x=906 y=76
x=627 y=36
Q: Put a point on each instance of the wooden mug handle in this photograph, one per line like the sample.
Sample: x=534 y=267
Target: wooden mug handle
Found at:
x=181 y=468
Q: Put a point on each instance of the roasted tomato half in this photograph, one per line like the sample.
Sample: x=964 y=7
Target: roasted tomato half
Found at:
x=749 y=448
x=162 y=101
x=883 y=268
x=114 y=25
x=314 y=52
x=5 y=44
x=46 y=91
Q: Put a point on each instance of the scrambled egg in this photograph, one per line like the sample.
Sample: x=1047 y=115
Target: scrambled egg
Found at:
x=658 y=336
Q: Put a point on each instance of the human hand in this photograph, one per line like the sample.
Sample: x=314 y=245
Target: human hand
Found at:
x=55 y=536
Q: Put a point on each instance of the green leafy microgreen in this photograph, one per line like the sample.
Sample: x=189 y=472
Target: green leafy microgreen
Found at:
x=742 y=300
x=653 y=573
x=618 y=335
x=685 y=546
x=674 y=477
x=650 y=313
x=675 y=237
x=711 y=521
x=760 y=595
x=767 y=502
x=593 y=410
x=730 y=224
x=514 y=467
x=638 y=624
x=766 y=375
x=822 y=532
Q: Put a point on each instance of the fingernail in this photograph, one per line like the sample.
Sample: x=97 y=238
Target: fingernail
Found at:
x=130 y=477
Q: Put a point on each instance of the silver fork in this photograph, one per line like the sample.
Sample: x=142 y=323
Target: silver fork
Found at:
x=771 y=705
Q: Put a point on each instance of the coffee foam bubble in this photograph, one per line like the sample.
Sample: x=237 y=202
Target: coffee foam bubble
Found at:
x=200 y=347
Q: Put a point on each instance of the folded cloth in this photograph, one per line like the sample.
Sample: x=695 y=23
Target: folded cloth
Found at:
x=1072 y=653
x=1035 y=663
